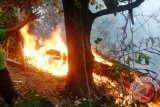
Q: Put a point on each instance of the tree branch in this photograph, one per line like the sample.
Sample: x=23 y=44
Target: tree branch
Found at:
x=119 y=8
x=157 y=53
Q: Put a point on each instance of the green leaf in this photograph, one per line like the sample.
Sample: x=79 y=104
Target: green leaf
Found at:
x=139 y=59
x=34 y=100
x=129 y=59
x=98 y=40
x=86 y=103
x=146 y=59
x=134 y=45
x=129 y=46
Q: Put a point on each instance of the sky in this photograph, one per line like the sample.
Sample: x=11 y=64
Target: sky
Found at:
x=150 y=28
x=149 y=6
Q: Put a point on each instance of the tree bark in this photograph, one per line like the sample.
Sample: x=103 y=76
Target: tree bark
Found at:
x=78 y=22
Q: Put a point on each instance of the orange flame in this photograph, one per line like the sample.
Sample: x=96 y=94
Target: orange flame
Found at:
x=102 y=79
x=154 y=104
x=35 y=51
x=101 y=60
x=40 y=53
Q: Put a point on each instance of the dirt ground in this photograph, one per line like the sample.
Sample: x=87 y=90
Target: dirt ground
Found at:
x=30 y=79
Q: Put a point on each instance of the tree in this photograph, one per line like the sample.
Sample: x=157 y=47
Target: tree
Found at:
x=78 y=23
x=10 y=11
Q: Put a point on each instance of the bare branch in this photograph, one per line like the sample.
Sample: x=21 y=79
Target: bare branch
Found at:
x=119 y=8
x=153 y=52
x=149 y=73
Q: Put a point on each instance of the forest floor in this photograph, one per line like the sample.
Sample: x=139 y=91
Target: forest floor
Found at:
x=41 y=89
x=29 y=80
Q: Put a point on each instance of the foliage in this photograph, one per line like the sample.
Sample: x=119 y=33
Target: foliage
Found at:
x=34 y=100
x=98 y=40
x=110 y=4
x=7 y=15
x=138 y=104
x=139 y=58
x=3 y=104
x=125 y=51
x=97 y=101
x=8 y=10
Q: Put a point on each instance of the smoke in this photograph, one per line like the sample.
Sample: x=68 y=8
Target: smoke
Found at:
x=147 y=25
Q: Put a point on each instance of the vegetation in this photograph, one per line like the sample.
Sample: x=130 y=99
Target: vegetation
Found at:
x=78 y=24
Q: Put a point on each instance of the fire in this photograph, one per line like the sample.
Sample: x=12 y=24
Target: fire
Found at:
x=154 y=104
x=101 y=60
x=49 y=55
x=102 y=79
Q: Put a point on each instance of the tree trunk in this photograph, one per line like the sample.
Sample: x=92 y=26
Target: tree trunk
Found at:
x=78 y=22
